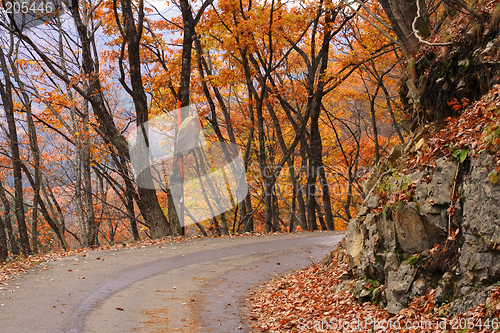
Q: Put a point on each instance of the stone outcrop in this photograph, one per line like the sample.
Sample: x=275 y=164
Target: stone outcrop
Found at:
x=479 y=260
x=404 y=250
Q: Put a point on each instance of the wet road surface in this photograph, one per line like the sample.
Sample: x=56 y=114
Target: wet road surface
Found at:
x=197 y=285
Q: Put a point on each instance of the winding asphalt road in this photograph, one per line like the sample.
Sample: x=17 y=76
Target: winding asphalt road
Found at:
x=196 y=285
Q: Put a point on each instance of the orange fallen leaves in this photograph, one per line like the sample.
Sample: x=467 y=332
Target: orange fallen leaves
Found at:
x=289 y=302
x=476 y=128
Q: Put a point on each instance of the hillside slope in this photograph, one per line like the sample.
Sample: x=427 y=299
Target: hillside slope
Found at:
x=426 y=241
x=431 y=218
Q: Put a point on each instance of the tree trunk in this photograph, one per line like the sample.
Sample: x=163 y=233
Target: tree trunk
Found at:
x=320 y=218
x=92 y=227
x=129 y=195
x=327 y=204
x=249 y=223
x=315 y=152
x=276 y=212
x=105 y=211
x=8 y=225
x=187 y=46
x=151 y=208
x=38 y=175
x=224 y=228
x=6 y=93
x=311 y=195
x=78 y=192
x=374 y=127
x=300 y=189
x=173 y=218
x=267 y=190
x=248 y=227
x=319 y=171
x=401 y=14
x=291 y=226
x=316 y=85
x=4 y=250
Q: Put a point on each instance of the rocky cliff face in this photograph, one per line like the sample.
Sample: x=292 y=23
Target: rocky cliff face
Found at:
x=432 y=225
x=413 y=246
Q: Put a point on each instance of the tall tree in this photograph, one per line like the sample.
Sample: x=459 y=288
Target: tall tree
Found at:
x=6 y=89
x=132 y=36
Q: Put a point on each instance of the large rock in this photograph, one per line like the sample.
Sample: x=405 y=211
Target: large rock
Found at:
x=469 y=301
x=354 y=241
x=373 y=201
x=413 y=234
x=372 y=260
x=444 y=291
x=436 y=216
x=378 y=246
x=391 y=263
x=397 y=284
x=387 y=230
x=441 y=185
x=480 y=258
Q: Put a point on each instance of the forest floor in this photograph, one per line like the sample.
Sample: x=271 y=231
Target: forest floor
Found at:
x=191 y=285
x=303 y=302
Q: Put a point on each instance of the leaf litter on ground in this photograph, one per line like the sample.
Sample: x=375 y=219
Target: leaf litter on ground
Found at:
x=305 y=297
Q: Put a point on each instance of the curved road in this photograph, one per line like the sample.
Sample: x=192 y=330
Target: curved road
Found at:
x=196 y=285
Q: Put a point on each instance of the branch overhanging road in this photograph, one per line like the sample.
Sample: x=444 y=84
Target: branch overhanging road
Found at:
x=197 y=285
